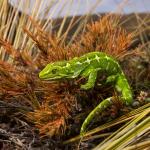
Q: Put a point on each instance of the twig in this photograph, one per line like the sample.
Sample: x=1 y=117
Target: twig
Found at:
x=11 y=138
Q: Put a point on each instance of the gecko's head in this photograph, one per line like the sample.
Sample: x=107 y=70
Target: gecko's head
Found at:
x=54 y=71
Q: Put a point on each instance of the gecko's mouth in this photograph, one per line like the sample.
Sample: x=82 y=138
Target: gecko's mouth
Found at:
x=48 y=77
x=44 y=76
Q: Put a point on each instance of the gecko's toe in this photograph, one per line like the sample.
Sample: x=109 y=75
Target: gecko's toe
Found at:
x=86 y=87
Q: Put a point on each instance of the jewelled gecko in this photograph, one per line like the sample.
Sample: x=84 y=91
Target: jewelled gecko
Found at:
x=88 y=66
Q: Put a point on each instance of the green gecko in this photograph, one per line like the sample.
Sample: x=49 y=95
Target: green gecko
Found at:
x=88 y=66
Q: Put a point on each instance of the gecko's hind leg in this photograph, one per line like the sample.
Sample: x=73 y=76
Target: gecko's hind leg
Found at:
x=123 y=88
x=102 y=106
x=111 y=79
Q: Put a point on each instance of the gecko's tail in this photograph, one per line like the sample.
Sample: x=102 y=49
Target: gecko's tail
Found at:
x=102 y=106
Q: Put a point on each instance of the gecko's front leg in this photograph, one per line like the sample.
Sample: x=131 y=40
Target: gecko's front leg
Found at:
x=92 y=75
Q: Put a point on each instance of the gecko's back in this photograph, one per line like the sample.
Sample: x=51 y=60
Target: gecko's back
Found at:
x=98 y=60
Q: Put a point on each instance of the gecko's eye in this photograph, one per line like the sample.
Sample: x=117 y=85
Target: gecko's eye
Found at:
x=54 y=71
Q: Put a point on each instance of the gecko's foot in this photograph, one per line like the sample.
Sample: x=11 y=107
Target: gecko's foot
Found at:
x=86 y=86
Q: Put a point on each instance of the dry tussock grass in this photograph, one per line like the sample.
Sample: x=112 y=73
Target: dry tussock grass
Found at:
x=52 y=106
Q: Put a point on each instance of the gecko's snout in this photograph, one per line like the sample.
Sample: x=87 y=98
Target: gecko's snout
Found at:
x=41 y=75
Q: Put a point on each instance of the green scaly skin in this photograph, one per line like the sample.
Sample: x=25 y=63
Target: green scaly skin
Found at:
x=88 y=66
